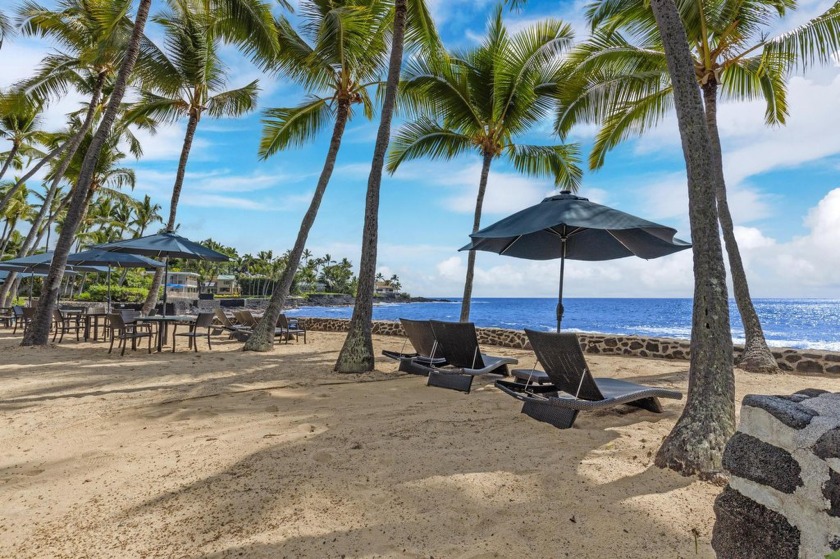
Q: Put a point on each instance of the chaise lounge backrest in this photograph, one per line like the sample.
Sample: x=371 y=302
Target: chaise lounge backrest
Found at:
x=563 y=361
x=458 y=343
x=421 y=336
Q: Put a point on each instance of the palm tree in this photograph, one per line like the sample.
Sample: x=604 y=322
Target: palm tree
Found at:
x=20 y=118
x=38 y=333
x=339 y=56
x=480 y=100
x=17 y=210
x=695 y=445
x=189 y=81
x=145 y=214
x=93 y=35
x=411 y=23
x=624 y=83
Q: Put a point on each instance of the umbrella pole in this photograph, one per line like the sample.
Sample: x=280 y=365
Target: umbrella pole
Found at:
x=562 y=273
x=31 y=285
x=165 y=279
x=109 y=288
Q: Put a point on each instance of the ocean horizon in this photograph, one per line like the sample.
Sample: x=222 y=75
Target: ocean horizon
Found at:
x=795 y=323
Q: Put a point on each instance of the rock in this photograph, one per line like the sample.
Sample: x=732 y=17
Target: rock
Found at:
x=831 y=491
x=750 y=458
x=745 y=529
x=790 y=413
x=828 y=445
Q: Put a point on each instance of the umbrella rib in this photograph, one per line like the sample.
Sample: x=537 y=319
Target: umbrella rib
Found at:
x=510 y=244
x=621 y=242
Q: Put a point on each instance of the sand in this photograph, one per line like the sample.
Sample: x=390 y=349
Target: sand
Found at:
x=231 y=454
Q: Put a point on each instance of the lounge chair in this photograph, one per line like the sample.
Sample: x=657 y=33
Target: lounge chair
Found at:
x=237 y=331
x=564 y=363
x=419 y=333
x=457 y=342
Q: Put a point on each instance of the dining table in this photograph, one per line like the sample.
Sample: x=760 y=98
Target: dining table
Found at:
x=163 y=323
x=92 y=322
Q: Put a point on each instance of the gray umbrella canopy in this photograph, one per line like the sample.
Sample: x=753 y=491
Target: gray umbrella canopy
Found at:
x=165 y=245
x=111 y=259
x=38 y=264
x=568 y=226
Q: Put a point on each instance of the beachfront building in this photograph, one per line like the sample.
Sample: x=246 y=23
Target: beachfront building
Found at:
x=181 y=285
x=385 y=288
x=223 y=284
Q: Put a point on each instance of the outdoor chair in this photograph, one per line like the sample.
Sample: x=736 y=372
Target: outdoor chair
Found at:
x=17 y=312
x=122 y=331
x=7 y=316
x=63 y=323
x=457 y=342
x=237 y=331
x=205 y=322
x=419 y=333
x=565 y=365
x=25 y=318
x=289 y=329
x=245 y=318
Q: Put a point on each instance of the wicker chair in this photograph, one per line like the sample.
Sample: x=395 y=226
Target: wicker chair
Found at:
x=205 y=321
x=287 y=329
x=422 y=338
x=457 y=342
x=565 y=365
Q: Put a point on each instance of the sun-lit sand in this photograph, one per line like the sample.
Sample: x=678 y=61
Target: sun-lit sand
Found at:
x=231 y=454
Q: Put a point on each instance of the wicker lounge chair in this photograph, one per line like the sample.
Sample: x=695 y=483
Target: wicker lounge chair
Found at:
x=458 y=344
x=565 y=365
x=419 y=333
x=239 y=332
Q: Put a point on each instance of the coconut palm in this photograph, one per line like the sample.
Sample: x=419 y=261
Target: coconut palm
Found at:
x=38 y=333
x=412 y=24
x=18 y=210
x=480 y=100
x=92 y=36
x=20 y=119
x=339 y=55
x=189 y=81
x=145 y=214
x=695 y=445
x=624 y=83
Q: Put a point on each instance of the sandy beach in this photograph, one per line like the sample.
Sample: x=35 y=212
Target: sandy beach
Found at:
x=230 y=454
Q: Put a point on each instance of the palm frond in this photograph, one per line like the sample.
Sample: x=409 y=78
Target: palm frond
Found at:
x=425 y=138
x=234 y=102
x=561 y=163
x=815 y=42
x=285 y=127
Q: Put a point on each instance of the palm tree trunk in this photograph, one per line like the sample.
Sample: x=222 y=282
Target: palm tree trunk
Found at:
x=5 y=230
x=8 y=162
x=192 y=124
x=479 y=202
x=756 y=356
x=12 y=223
x=695 y=445
x=39 y=331
x=262 y=338
x=357 y=353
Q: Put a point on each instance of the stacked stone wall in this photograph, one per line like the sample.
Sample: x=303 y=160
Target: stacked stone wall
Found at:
x=793 y=360
x=783 y=497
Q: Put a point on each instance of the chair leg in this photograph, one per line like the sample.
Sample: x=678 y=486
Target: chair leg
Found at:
x=112 y=344
x=150 y=343
x=123 y=344
x=209 y=346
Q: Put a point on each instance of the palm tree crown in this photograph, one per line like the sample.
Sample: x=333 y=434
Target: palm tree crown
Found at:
x=483 y=98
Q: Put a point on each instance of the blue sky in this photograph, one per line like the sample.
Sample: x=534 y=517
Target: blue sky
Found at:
x=784 y=185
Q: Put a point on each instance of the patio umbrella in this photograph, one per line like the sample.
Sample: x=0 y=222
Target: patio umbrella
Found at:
x=566 y=226
x=165 y=245
x=110 y=259
x=39 y=264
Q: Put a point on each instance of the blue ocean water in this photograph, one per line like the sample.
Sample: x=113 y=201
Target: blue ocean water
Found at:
x=797 y=323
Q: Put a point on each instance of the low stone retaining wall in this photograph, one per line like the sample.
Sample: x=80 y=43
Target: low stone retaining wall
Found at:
x=783 y=497
x=794 y=360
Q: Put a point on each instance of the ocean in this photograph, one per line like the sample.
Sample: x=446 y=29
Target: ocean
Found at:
x=796 y=323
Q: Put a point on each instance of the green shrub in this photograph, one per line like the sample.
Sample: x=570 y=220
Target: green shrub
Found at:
x=118 y=294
